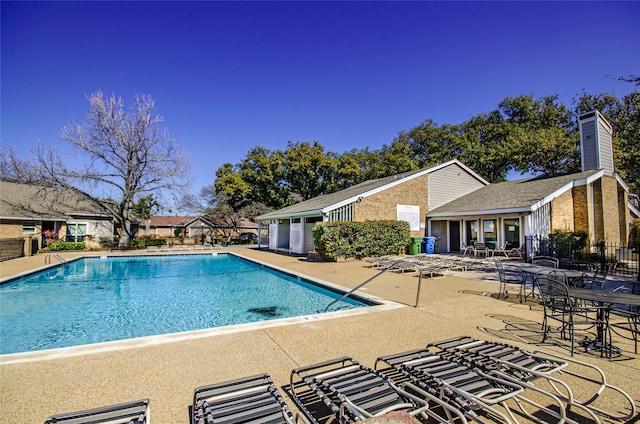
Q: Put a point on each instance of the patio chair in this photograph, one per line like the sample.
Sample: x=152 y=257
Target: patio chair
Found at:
x=252 y=399
x=468 y=249
x=626 y=317
x=504 y=250
x=517 y=252
x=547 y=261
x=136 y=412
x=526 y=368
x=596 y=281
x=353 y=392
x=559 y=306
x=512 y=278
x=468 y=390
x=480 y=248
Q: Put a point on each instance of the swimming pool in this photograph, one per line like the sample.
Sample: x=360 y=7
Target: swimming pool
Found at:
x=100 y=299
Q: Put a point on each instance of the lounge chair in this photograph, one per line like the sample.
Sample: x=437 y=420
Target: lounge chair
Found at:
x=517 y=252
x=252 y=399
x=526 y=368
x=467 y=249
x=468 y=390
x=352 y=392
x=504 y=250
x=136 y=412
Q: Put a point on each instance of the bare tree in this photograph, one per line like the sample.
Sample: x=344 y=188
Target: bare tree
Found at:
x=127 y=156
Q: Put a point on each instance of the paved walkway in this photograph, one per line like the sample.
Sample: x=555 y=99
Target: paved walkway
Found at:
x=167 y=372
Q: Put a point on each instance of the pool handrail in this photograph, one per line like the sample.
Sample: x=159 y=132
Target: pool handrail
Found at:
x=350 y=292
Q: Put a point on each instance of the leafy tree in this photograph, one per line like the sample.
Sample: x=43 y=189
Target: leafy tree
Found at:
x=145 y=207
x=262 y=171
x=306 y=169
x=127 y=156
x=627 y=140
x=231 y=186
x=549 y=151
x=624 y=116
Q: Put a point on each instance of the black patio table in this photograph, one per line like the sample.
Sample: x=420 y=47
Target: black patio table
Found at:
x=570 y=274
x=577 y=264
x=604 y=299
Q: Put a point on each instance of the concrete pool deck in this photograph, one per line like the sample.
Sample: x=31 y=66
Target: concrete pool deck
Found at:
x=168 y=372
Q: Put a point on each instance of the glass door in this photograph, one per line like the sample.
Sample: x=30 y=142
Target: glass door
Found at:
x=512 y=232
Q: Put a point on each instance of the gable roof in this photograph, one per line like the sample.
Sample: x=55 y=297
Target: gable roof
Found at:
x=24 y=201
x=523 y=195
x=170 y=221
x=325 y=203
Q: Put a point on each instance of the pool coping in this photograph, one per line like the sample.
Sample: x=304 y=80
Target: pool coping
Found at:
x=379 y=305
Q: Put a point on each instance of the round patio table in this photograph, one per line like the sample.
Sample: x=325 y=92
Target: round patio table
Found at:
x=570 y=274
x=605 y=300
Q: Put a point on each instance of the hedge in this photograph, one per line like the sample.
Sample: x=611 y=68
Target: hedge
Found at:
x=142 y=243
x=361 y=239
x=66 y=245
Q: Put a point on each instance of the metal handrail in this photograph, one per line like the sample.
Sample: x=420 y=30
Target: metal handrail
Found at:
x=350 y=292
x=47 y=259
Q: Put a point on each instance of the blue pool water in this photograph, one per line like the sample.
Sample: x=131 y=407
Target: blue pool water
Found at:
x=104 y=299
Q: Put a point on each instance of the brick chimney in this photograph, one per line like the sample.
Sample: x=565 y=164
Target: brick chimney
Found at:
x=596 y=143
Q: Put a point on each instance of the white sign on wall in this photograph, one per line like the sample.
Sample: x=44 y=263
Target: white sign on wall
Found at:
x=410 y=214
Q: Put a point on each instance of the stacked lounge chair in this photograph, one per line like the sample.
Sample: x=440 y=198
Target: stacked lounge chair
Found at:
x=353 y=392
x=136 y=412
x=526 y=368
x=464 y=388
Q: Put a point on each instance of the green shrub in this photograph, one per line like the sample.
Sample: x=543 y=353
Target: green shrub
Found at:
x=360 y=239
x=567 y=243
x=66 y=245
x=143 y=243
x=634 y=236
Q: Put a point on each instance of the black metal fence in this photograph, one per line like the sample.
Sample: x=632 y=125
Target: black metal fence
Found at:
x=619 y=258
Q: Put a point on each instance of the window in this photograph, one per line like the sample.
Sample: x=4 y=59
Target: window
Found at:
x=29 y=227
x=490 y=233
x=472 y=232
x=76 y=232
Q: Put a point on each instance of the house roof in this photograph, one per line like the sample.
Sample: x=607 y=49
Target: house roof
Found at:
x=170 y=221
x=328 y=202
x=24 y=201
x=515 y=196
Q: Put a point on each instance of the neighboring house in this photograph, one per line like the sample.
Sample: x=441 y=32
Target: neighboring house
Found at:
x=29 y=212
x=408 y=197
x=594 y=201
x=163 y=226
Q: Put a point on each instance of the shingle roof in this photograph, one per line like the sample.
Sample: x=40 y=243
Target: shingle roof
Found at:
x=23 y=201
x=512 y=195
x=321 y=202
x=170 y=221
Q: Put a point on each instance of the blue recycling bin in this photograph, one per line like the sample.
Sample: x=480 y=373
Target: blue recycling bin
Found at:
x=429 y=245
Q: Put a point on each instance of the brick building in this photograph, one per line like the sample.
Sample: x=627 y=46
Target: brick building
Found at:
x=408 y=197
x=454 y=204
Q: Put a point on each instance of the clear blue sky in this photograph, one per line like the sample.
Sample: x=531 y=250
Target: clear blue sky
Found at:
x=231 y=76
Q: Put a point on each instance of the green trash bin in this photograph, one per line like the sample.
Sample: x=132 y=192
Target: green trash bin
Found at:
x=416 y=245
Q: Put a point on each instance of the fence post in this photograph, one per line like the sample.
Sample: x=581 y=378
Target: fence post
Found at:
x=603 y=259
